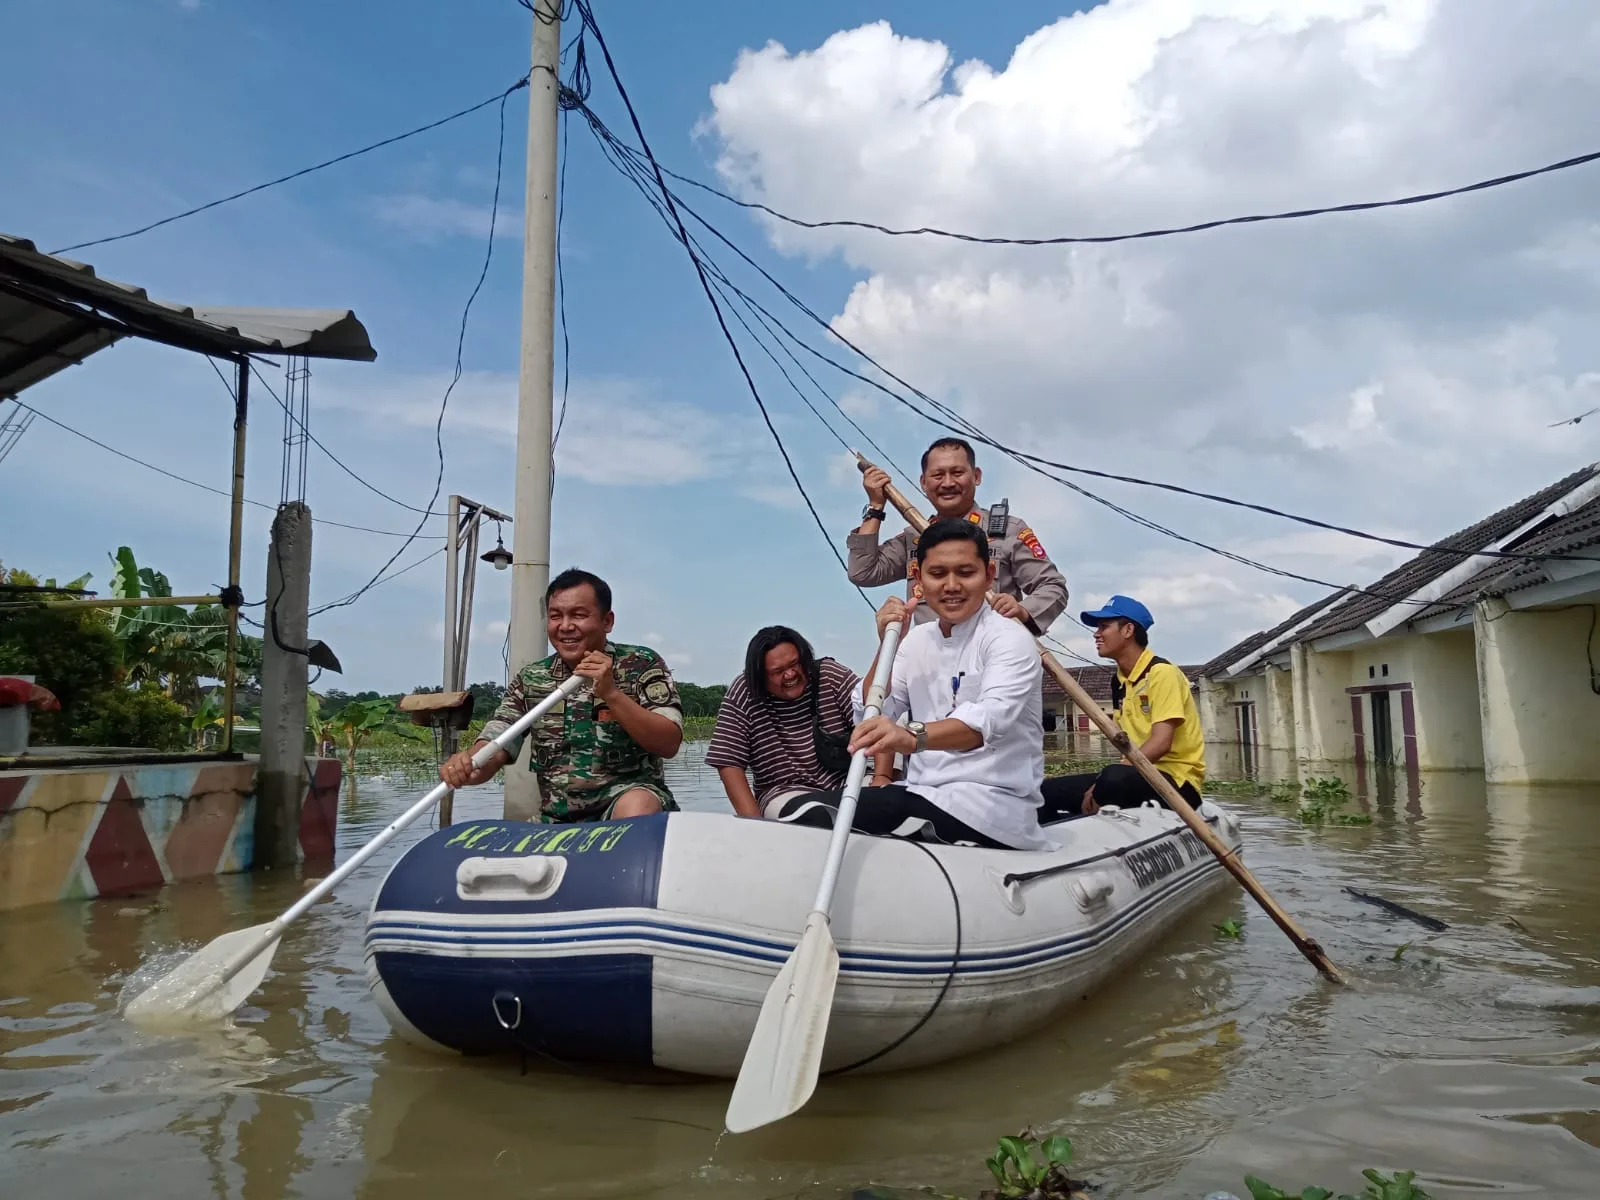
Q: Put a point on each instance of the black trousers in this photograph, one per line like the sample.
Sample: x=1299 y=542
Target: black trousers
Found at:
x=1117 y=784
x=892 y=811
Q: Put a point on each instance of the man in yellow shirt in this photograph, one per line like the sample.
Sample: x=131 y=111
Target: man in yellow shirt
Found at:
x=1155 y=707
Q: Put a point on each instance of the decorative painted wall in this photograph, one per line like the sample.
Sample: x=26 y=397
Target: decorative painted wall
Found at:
x=71 y=833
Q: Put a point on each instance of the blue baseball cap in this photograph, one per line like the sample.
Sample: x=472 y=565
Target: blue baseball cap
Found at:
x=1121 y=608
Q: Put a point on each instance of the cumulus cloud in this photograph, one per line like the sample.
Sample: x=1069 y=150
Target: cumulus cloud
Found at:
x=1396 y=368
x=434 y=218
x=617 y=432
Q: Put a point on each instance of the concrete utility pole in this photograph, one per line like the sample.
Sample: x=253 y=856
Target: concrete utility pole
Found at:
x=281 y=775
x=530 y=568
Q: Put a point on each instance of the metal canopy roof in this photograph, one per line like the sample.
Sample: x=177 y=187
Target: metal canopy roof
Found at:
x=55 y=312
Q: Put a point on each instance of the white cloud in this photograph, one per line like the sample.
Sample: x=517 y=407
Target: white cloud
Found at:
x=617 y=432
x=1394 y=370
x=433 y=218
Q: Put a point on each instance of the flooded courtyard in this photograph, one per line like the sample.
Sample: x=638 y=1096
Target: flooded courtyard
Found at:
x=1472 y=1054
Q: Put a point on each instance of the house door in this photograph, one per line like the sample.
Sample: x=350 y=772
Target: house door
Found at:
x=1382 y=730
x=1245 y=723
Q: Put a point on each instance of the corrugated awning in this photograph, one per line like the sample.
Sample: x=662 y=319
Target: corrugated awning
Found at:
x=55 y=312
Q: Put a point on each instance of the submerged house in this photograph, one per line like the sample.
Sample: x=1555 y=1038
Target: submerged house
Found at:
x=1477 y=654
x=1063 y=718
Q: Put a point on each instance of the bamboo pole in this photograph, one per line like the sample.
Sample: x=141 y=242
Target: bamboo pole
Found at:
x=129 y=602
x=1303 y=942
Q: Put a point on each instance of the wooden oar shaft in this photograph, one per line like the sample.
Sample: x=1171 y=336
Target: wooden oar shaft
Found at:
x=1114 y=734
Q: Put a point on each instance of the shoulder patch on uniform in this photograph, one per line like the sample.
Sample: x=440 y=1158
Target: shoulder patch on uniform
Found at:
x=657 y=692
x=1029 y=539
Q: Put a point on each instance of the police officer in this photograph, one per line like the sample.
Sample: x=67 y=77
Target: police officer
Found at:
x=1028 y=586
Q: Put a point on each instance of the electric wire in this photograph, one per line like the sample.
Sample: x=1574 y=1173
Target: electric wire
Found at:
x=332 y=457
x=150 y=466
x=1171 y=231
x=609 y=140
x=304 y=171
x=461 y=338
x=953 y=421
x=963 y=425
x=705 y=284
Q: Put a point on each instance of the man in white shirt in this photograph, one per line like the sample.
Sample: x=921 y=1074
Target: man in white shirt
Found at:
x=971 y=683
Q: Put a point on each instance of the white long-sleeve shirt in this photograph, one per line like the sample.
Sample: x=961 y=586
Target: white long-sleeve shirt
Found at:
x=987 y=675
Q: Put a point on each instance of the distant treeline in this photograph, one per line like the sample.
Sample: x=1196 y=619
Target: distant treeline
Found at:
x=698 y=700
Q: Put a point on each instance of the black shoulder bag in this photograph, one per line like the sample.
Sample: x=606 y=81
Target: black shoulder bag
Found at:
x=832 y=749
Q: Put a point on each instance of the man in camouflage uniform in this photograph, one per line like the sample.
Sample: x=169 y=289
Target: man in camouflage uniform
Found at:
x=1028 y=587
x=598 y=754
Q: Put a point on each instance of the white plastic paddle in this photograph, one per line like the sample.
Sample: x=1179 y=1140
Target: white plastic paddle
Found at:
x=784 y=1057
x=216 y=979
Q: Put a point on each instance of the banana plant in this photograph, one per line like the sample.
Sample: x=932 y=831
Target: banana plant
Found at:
x=165 y=644
x=360 y=719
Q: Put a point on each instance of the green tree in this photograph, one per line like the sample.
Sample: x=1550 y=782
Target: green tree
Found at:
x=70 y=651
x=700 y=700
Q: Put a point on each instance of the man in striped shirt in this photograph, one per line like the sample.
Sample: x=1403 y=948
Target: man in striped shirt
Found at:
x=786 y=721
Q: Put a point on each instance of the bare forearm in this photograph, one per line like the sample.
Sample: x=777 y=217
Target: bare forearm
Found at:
x=1157 y=744
x=654 y=733
x=737 y=785
x=954 y=735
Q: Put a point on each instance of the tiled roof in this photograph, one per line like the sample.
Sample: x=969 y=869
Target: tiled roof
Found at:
x=1257 y=640
x=1427 y=566
x=1576 y=531
x=1097 y=682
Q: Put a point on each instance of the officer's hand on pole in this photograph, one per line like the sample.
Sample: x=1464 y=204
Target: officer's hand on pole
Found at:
x=876 y=481
x=1008 y=606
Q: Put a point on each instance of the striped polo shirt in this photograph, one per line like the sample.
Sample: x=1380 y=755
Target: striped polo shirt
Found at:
x=772 y=738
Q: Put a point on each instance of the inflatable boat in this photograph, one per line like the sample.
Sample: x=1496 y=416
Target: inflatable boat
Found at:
x=652 y=941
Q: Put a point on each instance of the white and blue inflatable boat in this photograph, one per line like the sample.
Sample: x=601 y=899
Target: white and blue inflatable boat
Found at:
x=652 y=941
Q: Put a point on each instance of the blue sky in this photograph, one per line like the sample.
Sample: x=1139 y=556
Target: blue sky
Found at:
x=667 y=482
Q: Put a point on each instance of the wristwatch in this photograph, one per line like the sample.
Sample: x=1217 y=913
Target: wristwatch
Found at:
x=920 y=732
x=874 y=514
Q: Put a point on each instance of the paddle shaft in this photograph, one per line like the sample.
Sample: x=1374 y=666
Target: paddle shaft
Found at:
x=876 y=688
x=301 y=906
x=1114 y=734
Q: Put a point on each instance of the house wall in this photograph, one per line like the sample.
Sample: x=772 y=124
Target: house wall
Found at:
x=1434 y=711
x=72 y=833
x=1271 y=692
x=1275 y=716
x=1445 y=688
x=1323 y=732
x=1538 y=709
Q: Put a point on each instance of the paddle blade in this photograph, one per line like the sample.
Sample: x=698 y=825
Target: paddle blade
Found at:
x=189 y=993
x=785 y=1052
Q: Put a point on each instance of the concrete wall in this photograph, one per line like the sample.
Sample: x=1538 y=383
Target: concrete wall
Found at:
x=72 y=833
x=1322 y=730
x=1445 y=688
x=1214 y=699
x=1275 y=717
x=1538 y=710
x=1218 y=701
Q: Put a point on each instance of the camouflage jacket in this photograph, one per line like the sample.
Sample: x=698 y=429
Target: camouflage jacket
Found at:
x=580 y=752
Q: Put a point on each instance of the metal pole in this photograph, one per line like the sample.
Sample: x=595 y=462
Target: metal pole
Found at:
x=451 y=571
x=447 y=743
x=469 y=582
x=230 y=684
x=531 y=530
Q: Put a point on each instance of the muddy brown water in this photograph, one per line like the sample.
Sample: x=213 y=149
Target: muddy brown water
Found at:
x=1474 y=1057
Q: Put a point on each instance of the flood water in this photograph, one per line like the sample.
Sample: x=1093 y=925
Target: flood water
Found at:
x=1474 y=1057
